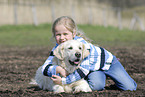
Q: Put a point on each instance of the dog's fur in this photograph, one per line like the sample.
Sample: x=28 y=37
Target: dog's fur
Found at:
x=68 y=55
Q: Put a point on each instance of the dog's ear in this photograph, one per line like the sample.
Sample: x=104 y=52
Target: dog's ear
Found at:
x=58 y=52
x=85 y=51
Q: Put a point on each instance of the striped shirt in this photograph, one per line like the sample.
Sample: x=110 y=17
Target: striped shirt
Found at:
x=98 y=59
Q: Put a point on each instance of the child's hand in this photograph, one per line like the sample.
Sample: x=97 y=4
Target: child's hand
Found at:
x=61 y=71
x=56 y=79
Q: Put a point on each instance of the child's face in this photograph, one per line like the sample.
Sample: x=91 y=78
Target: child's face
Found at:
x=62 y=34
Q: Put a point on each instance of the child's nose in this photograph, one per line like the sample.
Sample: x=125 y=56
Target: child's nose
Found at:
x=62 y=37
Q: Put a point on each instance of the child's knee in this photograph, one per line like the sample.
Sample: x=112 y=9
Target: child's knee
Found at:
x=97 y=86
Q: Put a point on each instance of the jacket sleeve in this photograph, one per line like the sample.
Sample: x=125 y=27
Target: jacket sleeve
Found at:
x=47 y=68
x=75 y=76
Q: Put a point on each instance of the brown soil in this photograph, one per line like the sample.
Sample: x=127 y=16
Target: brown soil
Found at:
x=18 y=67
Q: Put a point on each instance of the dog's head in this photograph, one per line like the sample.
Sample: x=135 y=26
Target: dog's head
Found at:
x=72 y=52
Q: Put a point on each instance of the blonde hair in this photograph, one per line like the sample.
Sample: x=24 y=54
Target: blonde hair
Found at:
x=70 y=25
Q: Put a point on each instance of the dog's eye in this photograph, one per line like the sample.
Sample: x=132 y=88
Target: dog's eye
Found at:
x=70 y=48
x=80 y=48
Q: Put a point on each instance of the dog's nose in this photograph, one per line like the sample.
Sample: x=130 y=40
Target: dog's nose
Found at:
x=78 y=54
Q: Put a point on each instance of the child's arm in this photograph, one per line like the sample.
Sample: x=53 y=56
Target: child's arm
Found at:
x=48 y=69
x=61 y=71
x=75 y=76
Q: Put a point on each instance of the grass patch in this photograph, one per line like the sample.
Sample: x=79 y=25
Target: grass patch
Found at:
x=111 y=36
x=25 y=35
x=30 y=35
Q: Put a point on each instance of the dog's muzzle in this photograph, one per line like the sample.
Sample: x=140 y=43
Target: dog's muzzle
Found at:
x=74 y=63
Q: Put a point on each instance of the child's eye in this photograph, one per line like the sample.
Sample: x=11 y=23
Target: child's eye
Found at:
x=70 y=48
x=57 y=35
x=65 y=34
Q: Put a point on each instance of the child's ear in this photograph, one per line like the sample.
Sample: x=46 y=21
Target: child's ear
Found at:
x=85 y=51
x=58 y=52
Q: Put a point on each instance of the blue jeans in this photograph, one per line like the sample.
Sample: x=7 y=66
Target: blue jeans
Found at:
x=116 y=72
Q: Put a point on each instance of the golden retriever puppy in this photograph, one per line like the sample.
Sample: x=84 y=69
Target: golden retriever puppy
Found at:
x=68 y=55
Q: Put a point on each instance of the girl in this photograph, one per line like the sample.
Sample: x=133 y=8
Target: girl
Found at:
x=94 y=68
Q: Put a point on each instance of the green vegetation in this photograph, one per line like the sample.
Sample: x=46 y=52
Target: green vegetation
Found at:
x=25 y=35
x=110 y=36
x=30 y=35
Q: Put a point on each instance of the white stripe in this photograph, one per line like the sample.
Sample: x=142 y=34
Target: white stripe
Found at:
x=109 y=60
x=63 y=80
x=106 y=67
x=48 y=61
x=80 y=39
x=87 y=45
x=50 y=68
x=73 y=78
x=85 y=71
x=97 y=65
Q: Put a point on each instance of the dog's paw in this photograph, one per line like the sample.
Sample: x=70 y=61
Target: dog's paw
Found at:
x=78 y=89
x=58 y=89
x=82 y=89
x=68 y=89
x=33 y=82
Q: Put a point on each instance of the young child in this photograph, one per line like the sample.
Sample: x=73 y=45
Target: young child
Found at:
x=94 y=68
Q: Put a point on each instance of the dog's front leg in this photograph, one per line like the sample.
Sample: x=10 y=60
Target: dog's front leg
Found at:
x=58 y=89
x=68 y=88
x=82 y=86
